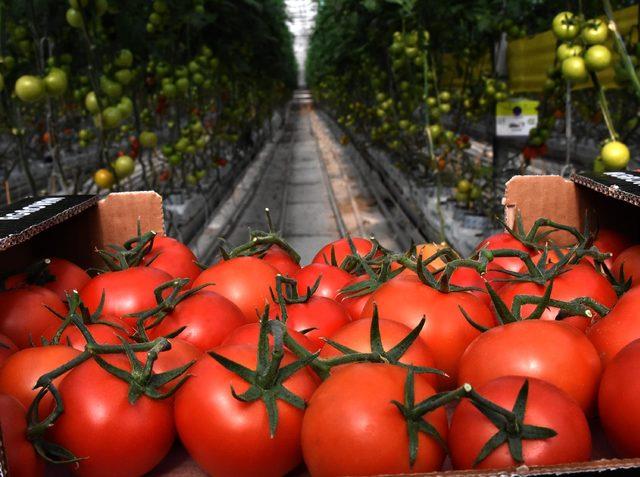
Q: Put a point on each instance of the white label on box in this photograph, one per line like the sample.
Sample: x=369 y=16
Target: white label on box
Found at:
x=516 y=117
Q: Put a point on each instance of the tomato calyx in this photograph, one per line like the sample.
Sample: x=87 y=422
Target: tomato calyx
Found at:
x=77 y=310
x=38 y=273
x=582 y=306
x=130 y=254
x=260 y=242
x=414 y=413
x=534 y=238
x=287 y=293
x=165 y=305
x=378 y=353
x=510 y=424
x=383 y=274
x=267 y=380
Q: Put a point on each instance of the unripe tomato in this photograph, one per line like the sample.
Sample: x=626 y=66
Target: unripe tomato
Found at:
x=125 y=106
x=124 y=166
x=74 y=18
x=104 y=178
x=91 y=103
x=615 y=155
x=1 y=82
x=123 y=76
x=565 y=50
x=56 y=82
x=565 y=26
x=598 y=58
x=30 y=88
x=148 y=139
x=595 y=32
x=124 y=59
x=110 y=117
x=574 y=69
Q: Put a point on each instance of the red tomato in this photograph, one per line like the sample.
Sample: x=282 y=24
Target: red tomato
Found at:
x=125 y=291
x=21 y=456
x=342 y=249
x=103 y=410
x=24 y=316
x=321 y=315
x=357 y=336
x=333 y=279
x=223 y=421
x=629 y=261
x=546 y=406
x=174 y=258
x=180 y=353
x=246 y=281
x=22 y=370
x=619 y=328
x=610 y=241
x=549 y=350
x=351 y=427
x=7 y=348
x=578 y=281
x=446 y=332
x=354 y=305
x=66 y=277
x=618 y=402
x=249 y=334
x=281 y=261
x=208 y=316
x=468 y=277
x=502 y=240
x=579 y=322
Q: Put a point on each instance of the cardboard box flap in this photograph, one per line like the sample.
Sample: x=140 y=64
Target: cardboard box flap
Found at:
x=539 y=196
x=119 y=213
x=31 y=216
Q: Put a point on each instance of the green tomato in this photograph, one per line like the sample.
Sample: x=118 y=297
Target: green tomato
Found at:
x=174 y=159
x=101 y=7
x=20 y=32
x=155 y=19
x=124 y=59
x=198 y=79
x=182 y=85
x=565 y=26
x=463 y=186
x=74 y=18
x=1 y=82
x=595 y=32
x=30 y=88
x=78 y=4
x=124 y=166
x=111 y=88
x=435 y=130
x=574 y=69
x=148 y=139
x=598 y=165
x=445 y=97
x=597 y=58
x=56 y=82
x=110 y=117
x=125 y=106
x=123 y=76
x=445 y=108
x=159 y=6
x=167 y=150
x=476 y=193
x=565 y=50
x=9 y=62
x=615 y=155
x=91 y=103
x=191 y=179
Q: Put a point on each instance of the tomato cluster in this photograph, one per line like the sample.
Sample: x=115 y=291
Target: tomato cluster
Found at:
x=258 y=365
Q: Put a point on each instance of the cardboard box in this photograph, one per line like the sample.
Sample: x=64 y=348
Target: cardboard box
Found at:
x=74 y=233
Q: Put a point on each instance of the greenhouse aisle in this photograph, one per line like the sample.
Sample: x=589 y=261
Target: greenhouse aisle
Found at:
x=312 y=191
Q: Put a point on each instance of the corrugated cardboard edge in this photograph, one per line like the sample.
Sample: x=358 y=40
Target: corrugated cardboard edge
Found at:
x=29 y=233
x=116 y=223
x=610 y=191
